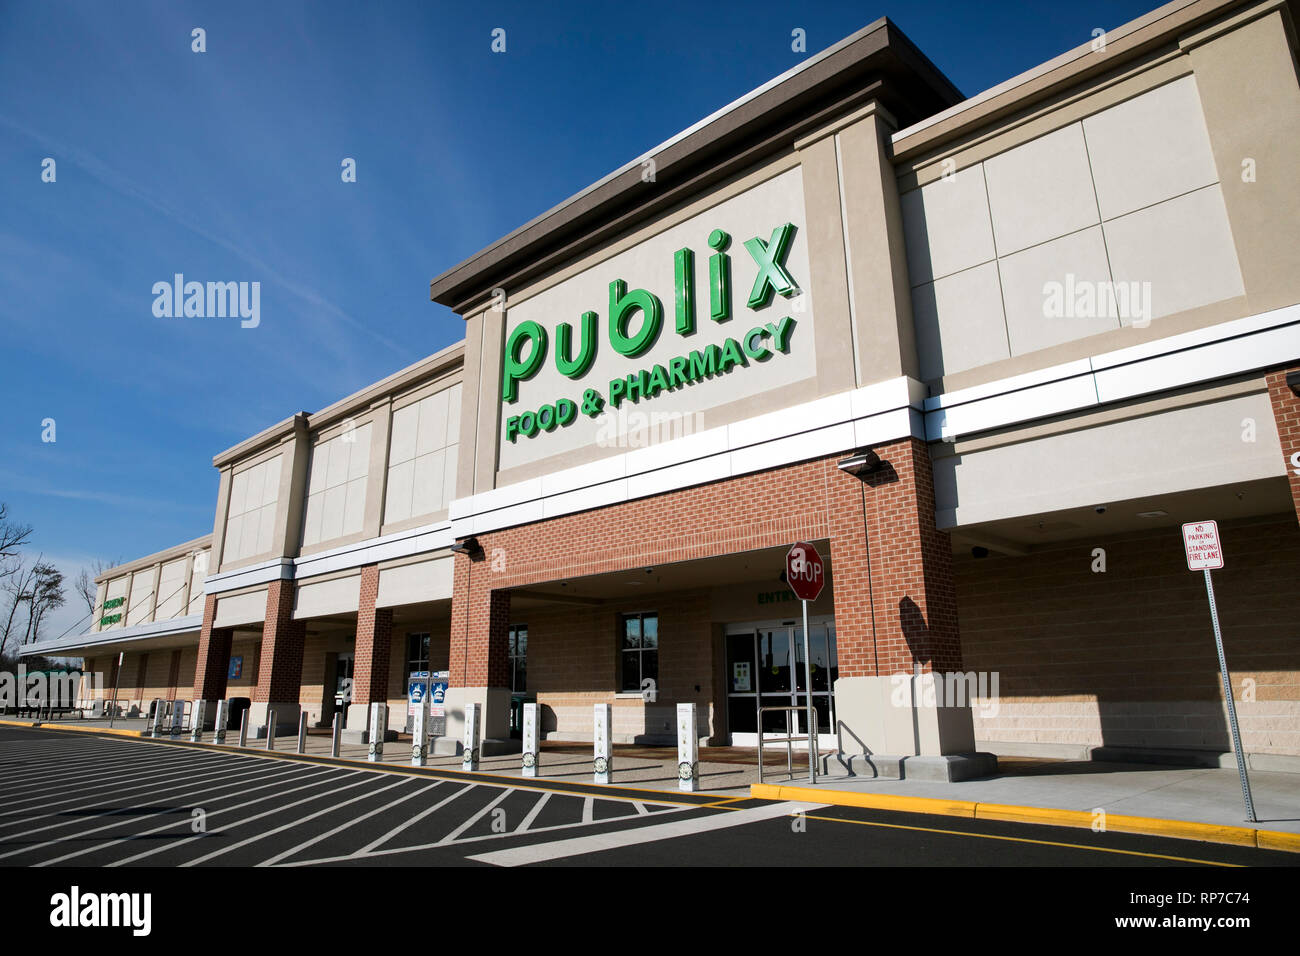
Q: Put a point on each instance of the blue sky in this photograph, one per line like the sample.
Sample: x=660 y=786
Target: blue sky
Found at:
x=225 y=166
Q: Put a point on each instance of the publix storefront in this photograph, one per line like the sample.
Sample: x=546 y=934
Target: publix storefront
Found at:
x=830 y=312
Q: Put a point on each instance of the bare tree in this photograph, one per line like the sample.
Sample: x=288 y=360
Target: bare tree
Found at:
x=17 y=587
x=12 y=535
x=47 y=595
x=85 y=582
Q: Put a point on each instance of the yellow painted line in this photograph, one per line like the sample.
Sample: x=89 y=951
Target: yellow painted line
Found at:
x=113 y=731
x=995 y=836
x=1043 y=816
x=872 y=801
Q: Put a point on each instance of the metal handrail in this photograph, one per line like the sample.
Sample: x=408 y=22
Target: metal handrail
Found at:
x=789 y=740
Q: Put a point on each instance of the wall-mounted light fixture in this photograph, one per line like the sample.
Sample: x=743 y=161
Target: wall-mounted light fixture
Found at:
x=469 y=547
x=860 y=463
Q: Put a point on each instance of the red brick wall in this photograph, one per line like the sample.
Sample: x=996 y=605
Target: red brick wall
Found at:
x=893 y=597
x=1286 y=412
x=214 y=655
x=280 y=669
x=370 y=676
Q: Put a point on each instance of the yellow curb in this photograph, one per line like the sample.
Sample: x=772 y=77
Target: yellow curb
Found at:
x=114 y=731
x=1043 y=816
x=872 y=801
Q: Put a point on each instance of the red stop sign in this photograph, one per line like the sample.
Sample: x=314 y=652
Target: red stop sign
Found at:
x=804 y=571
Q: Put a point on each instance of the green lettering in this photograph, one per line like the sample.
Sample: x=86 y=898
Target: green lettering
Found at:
x=571 y=367
x=677 y=371
x=684 y=287
x=771 y=269
x=517 y=369
x=621 y=306
x=731 y=355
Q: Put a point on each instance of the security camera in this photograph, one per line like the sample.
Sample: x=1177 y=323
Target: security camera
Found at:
x=1100 y=509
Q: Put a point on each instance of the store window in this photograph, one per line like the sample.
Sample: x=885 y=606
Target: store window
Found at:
x=417 y=652
x=518 y=652
x=336 y=486
x=639 y=651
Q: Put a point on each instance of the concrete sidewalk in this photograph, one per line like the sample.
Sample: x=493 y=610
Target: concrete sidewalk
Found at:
x=1197 y=803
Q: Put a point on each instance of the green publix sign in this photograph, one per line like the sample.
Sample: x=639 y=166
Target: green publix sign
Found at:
x=758 y=344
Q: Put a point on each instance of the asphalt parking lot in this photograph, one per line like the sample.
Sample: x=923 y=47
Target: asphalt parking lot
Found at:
x=78 y=799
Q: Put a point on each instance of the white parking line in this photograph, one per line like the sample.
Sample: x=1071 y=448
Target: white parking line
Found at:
x=292 y=823
x=110 y=805
x=532 y=814
x=618 y=839
x=450 y=837
x=113 y=771
x=121 y=819
x=423 y=847
x=345 y=825
x=588 y=808
x=365 y=850
x=640 y=808
x=238 y=806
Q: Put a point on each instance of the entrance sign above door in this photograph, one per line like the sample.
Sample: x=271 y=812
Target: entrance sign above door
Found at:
x=804 y=571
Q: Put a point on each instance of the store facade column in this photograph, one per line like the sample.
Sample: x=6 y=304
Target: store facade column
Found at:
x=279 y=673
x=213 y=667
x=896 y=617
x=1286 y=414
x=372 y=661
x=479 y=671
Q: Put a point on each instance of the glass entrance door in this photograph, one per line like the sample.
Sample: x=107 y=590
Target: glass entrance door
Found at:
x=765 y=668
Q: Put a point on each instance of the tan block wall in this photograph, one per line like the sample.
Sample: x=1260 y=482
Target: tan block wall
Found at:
x=573 y=664
x=1126 y=657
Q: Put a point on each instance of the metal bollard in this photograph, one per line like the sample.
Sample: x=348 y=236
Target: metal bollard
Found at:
x=420 y=733
x=219 y=725
x=688 y=749
x=532 y=755
x=473 y=731
x=338 y=734
x=197 y=712
x=378 y=728
x=270 y=730
x=302 y=733
x=243 y=729
x=603 y=758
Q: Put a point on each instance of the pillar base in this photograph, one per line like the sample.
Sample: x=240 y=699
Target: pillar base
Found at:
x=904 y=715
x=493 y=747
x=357 y=730
x=286 y=719
x=947 y=768
x=495 y=714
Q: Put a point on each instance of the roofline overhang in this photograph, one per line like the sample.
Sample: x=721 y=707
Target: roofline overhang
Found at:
x=878 y=62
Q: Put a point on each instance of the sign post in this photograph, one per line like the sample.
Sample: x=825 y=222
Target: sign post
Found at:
x=1205 y=553
x=117 y=677
x=806 y=575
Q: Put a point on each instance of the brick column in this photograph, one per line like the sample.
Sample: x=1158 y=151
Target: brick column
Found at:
x=1286 y=413
x=279 y=675
x=480 y=662
x=213 y=666
x=895 y=607
x=370 y=667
